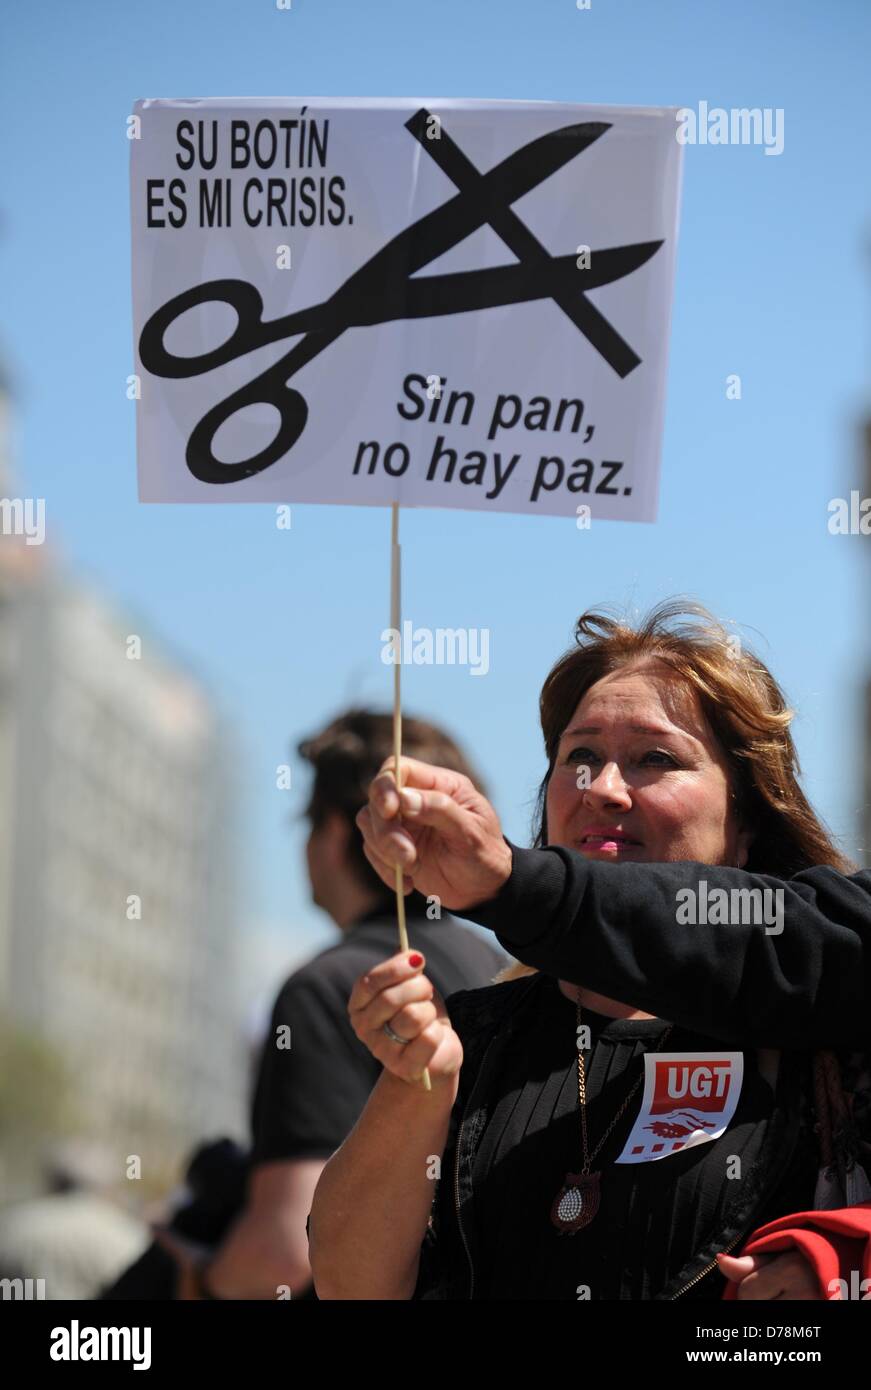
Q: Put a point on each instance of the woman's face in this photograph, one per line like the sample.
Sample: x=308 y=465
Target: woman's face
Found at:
x=658 y=787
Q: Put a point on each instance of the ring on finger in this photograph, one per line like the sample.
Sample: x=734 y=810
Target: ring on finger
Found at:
x=394 y=1037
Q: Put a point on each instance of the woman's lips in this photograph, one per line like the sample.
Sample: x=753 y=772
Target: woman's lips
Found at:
x=611 y=843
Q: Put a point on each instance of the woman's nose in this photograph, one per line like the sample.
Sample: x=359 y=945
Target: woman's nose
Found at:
x=609 y=788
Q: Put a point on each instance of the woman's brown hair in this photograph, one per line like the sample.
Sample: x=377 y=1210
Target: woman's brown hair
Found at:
x=743 y=704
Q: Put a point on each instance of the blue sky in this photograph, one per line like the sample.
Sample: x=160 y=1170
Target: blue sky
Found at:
x=773 y=283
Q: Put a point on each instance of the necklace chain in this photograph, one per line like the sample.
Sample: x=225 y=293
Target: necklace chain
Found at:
x=582 y=1096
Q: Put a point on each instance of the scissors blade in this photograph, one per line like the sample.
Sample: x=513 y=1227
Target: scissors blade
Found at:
x=432 y=296
x=438 y=231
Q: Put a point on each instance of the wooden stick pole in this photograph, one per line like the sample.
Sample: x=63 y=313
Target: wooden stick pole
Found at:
x=395 y=612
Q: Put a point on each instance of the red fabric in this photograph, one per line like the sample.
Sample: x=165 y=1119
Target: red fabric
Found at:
x=835 y=1242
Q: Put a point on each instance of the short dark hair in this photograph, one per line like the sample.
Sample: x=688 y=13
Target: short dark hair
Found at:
x=347 y=754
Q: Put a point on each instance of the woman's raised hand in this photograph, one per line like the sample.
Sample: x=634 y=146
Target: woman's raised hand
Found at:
x=444 y=834
x=396 y=992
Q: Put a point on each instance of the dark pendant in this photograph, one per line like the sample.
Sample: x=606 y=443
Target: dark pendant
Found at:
x=576 y=1203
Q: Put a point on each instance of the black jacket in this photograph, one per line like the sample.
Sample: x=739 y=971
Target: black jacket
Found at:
x=613 y=928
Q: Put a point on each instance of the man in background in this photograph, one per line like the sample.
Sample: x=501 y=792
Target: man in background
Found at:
x=315 y=1075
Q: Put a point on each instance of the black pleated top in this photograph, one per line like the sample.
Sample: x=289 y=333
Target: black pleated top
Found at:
x=652 y=1217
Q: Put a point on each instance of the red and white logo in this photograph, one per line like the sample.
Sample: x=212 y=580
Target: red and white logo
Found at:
x=689 y=1099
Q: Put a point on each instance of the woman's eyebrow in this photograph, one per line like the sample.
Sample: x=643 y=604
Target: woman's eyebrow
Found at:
x=634 y=728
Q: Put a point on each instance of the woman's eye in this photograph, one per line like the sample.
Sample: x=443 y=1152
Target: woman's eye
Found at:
x=586 y=755
x=581 y=755
x=658 y=753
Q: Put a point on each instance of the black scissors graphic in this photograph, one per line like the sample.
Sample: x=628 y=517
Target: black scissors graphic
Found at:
x=382 y=290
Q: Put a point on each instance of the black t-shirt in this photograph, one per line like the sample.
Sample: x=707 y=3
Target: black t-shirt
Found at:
x=308 y=1095
x=652 y=1215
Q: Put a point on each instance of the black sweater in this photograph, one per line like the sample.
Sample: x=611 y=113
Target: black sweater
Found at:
x=614 y=929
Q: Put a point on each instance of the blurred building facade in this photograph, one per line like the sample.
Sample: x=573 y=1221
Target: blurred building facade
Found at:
x=118 y=912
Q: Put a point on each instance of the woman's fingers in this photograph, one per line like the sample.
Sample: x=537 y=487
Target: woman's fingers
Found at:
x=413 y=773
x=788 y=1275
x=439 y=830
x=384 y=975
x=413 y=1018
x=437 y=811
x=388 y=840
x=395 y=842
x=396 y=992
x=422 y=785
x=386 y=872
x=436 y=1048
x=386 y=1005
x=737 y=1267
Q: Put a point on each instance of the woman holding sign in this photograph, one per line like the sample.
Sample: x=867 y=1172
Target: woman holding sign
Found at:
x=582 y=1145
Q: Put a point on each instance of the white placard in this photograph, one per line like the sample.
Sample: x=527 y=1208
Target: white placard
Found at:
x=437 y=302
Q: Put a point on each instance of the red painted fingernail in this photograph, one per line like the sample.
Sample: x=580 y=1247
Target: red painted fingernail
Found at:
x=415 y=960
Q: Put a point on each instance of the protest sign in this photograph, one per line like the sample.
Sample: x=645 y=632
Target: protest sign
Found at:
x=443 y=303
